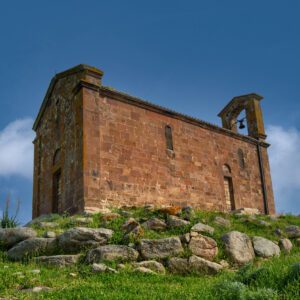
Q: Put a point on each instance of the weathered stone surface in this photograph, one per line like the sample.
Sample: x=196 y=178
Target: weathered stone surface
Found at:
x=152 y=265
x=92 y=210
x=175 y=222
x=136 y=233
x=110 y=216
x=171 y=210
x=293 y=231
x=203 y=246
x=58 y=260
x=238 y=247
x=188 y=213
x=149 y=207
x=11 y=236
x=112 y=253
x=202 y=266
x=78 y=238
x=264 y=247
x=222 y=222
x=129 y=225
x=264 y=223
x=32 y=247
x=144 y=270
x=49 y=234
x=278 y=231
x=285 y=245
x=82 y=221
x=42 y=218
x=247 y=211
x=155 y=224
x=37 y=289
x=101 y=268
x=185 y=238
x=178 y=265
x=47 y=224
x=202 y=228
x=161 y=248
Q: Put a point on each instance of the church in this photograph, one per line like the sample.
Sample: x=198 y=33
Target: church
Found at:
x=97 y=148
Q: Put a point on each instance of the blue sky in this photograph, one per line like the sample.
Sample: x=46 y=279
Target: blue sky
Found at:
x=191 y=56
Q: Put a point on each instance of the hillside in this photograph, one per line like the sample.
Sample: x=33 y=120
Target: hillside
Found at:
x=186 y=261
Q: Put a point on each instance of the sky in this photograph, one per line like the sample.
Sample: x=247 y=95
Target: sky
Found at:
x=190 y=56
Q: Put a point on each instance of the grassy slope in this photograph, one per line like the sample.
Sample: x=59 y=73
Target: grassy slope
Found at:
x=249 y=283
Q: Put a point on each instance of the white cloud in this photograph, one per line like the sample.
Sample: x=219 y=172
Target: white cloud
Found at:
x=285 y=167
x=16 y=149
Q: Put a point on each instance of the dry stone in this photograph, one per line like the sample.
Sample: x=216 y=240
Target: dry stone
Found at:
x=238 y=247
x=264 y=247
x=188 y=213
x=175 y=222
x=101 y=268
x=161 y=248
x=178 y=265
x=222 y=222
x=285 y=245
x=144 y=270
x=152 y=265
x=155 y=224
x=293 y=231
x=49 y=234
x=112 y=253
x=129 y=225
x=202 y=228
x=202 y=266
x=203 y=246
x=11 y=236
x=79 y=238
x=32 y=247
x=58 y=260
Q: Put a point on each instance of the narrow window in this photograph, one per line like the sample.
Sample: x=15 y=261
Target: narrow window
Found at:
x=56 y=157
x=241 y=159
x=229 y=198
x=169 y=139
x=56 y=196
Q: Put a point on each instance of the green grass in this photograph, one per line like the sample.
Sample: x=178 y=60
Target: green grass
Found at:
x=276 y=278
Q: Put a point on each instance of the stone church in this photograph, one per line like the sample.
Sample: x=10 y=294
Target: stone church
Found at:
x=96 y=148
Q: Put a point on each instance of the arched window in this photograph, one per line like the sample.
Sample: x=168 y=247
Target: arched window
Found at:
x=241 y=158
x=228 y=188
x=169 y=138
x=226 y=169
x=56 y=156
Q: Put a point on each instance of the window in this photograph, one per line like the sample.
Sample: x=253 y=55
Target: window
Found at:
x=56 y=196
x=169 y=139
x=56 y=157
x=241 y=158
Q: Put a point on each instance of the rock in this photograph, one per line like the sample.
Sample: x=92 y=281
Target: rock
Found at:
x=47 y=224
x=224 y=264
x=246 y=211
x=135 y=234
x=278 y=232
x=152 y=265
x=49 y=234
x=175 y=222
x=203 y=228
x=42 y=218
x=101 y=268
x=36 y=289
x=121 y=266
x=83 y=221
x=222 y=222
x=171 y=210
x=144 y=270
x=110 y=216
x=293 y=231
x=80 y=238
x=264 y=223
x=188 y=213
x=273 y=217
x=126 y=213
x=193 y=233
x=58 y=260
x=298 y=242
x=185 y=238
x=264 y=247
x=112 y=253
x=285 y=245
x=129 y=225
x=239 y=247
x=178 y=265
x=91 y=210
x=203 y=246
x=32 y=247
x=149 y=207
x=155 y=224
x=161 y=248
x=11 y=236
x=202 y=266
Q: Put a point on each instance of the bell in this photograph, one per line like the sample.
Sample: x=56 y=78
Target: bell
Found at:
x=242 y=126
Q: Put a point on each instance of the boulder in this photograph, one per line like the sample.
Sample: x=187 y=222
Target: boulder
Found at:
x=111 y=253
x=293 y=231
x=82 y=221
x=160 y=248
x=144 y=270
x=11 y=236
x=202 y=266
x=238 y=247
x=171 y=210
x=178 y=265
x=264 y=247
x=175 y=222
x=42 y=218
x=80 y=238
x=203 y=246
x=49 y=234
x=278 y=232
x=222 y=222
x=152 y=265
x=188 y=213
x=285 y=245
x=202 y=228
x=129 y=225
x=185 y=238
x=101 y=268
x=135 y=234
x=32 y=247
x=155 y=224
x=58 y=260
x=47 y=224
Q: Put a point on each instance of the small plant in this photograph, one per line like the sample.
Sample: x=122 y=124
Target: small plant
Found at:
x=8 y=221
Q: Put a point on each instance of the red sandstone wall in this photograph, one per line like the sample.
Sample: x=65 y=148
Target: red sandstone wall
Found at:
x=126 y=162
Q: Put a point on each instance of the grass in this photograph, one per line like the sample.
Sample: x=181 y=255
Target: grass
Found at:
x=276 y=278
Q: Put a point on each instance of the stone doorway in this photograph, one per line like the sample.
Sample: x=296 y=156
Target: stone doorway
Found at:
x=229 y=197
